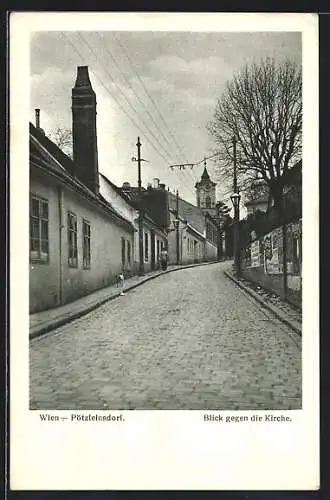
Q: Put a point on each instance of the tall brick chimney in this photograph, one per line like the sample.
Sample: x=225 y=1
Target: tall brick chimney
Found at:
x=84 y=131
x=37 y=114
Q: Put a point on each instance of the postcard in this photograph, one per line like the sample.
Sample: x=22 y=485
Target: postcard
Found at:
x=164 y=327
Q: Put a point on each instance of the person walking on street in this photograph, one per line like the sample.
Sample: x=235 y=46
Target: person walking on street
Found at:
x=164 y=259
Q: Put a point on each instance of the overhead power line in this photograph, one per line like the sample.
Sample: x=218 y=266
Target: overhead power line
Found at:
x=131 y=87
x=177 y=146
x=183 y=166
x=165 y=151
x=125 y=97
x=120 y=105
x=122 y=46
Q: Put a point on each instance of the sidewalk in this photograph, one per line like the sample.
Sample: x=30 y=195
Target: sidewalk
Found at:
x=45 y=321
x=282 y=310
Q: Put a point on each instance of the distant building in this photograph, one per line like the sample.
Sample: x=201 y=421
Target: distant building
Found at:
x=125 y=201
x=259 y=197
x=191 y=234
x=205 y=193
x=197 y=232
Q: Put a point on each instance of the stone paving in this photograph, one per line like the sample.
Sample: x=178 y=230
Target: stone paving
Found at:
x=186 y=340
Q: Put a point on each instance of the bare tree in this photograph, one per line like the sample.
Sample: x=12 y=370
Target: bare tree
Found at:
x=262 y=108
x=62 y=137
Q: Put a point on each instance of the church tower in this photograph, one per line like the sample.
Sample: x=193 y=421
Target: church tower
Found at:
x=205 y=193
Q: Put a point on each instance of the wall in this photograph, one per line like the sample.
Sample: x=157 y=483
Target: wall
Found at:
x=193 y=248
x=262 y=262
x=106 y=245
x=106 y=263
x=211 y=251
x=44 y=277
x=147 y=230
x=116 y=200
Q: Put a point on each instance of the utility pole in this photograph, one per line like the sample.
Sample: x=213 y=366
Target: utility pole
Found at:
x=141 y=260
x=235 y=165
x=177 y=230
x=236 y=214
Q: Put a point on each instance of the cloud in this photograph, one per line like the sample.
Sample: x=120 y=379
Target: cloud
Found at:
x=199 y=67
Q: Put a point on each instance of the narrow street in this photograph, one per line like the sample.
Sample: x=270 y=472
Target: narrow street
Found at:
x=190 y=339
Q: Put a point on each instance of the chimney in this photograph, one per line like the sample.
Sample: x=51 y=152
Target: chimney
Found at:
x=84 y=138
x=156 y=183
x=37 y=118
x=37 y=112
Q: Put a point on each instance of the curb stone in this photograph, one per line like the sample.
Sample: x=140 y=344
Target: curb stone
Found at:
x=61 y=321
x=267 y=306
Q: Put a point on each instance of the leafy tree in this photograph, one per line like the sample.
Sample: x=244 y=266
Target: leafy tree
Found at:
x=224 y=222
x=222 y=211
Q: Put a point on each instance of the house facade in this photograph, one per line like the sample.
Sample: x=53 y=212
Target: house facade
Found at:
x=83 y=232
x=154 y=237
x=75 y=237
x=259 y=197
x=196 y=236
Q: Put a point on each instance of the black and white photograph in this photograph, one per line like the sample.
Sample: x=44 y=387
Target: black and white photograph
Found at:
x=159 y=152
x=165 y=246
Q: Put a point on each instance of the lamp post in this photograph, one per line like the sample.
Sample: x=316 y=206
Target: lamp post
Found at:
x=235 y=198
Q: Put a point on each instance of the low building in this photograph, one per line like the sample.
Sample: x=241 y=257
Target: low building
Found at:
x=186 y=245
x=259 y=197
x=154 y=235
x=75 y=237
x=198 y=233
x=83 y=232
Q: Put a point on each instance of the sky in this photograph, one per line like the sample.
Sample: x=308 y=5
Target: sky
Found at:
x=160 y=86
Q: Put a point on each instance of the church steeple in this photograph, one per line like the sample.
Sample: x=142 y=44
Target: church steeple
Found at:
x=205 y=192
x=205 y=174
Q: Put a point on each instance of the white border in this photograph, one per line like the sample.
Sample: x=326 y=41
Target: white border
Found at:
x=159 y=449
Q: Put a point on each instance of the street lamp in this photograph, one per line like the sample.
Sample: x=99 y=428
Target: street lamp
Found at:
x=176 y=223
x=235 y=198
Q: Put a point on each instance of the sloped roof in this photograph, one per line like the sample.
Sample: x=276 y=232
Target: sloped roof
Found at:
x=123 y=194
x=53 y=149
x=47 y=156
x=192 y=214
x=256 y=201
x=205 y=175
x=205 y=179
x=132 y=196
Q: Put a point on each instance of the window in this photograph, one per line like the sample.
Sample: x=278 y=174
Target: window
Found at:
x=129 y=252
x=86 y=245
x=208 y=202
x=146 y=246
x=39 y=243
x=72 y=240
x=123 y=252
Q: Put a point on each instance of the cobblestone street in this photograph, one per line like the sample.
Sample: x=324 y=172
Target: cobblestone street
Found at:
x=190 y=339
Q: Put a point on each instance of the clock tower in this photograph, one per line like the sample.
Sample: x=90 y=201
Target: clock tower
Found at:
x=205 y=193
